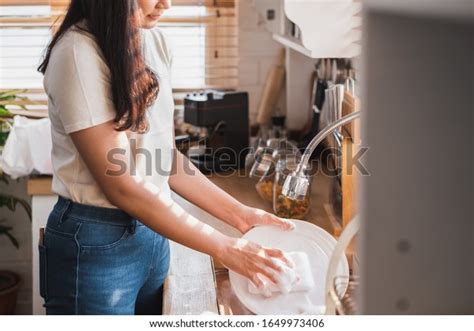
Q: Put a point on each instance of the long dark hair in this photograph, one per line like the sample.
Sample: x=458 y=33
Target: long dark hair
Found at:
x=115 y=27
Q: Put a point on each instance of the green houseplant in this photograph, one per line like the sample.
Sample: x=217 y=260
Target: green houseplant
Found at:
x=9 y=98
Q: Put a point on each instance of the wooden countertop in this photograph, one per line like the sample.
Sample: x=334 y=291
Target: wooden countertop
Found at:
x=243 y=189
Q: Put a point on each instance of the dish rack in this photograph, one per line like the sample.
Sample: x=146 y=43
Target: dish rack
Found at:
x=344 y=294
x=341 y=291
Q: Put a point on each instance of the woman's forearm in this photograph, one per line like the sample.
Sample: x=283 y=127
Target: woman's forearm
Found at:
x=166 y=217
x=192 y=185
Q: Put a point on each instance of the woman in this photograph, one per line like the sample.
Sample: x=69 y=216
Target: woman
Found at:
x=107 y=76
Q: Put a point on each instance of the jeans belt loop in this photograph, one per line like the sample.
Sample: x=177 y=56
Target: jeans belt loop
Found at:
x=132 y=227
x=64 y=211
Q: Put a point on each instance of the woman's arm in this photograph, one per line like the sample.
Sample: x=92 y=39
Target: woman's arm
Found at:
x=191 y=184
x=106 y=152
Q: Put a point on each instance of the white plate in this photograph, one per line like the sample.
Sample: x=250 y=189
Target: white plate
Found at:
x=306 y=237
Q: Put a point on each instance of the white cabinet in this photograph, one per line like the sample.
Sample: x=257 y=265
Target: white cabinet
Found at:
x=315 y=28
x=309 y=30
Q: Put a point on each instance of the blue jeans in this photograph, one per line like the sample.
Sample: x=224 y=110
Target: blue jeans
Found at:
x=97 y=260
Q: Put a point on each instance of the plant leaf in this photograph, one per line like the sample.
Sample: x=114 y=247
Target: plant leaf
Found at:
x=10 y=202
x=12 y=93
x=13 y=240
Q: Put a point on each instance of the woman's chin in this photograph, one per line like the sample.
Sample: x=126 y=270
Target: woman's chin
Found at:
x=149 y=24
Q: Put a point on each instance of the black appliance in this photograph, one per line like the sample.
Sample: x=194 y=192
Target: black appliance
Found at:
x=224 y=118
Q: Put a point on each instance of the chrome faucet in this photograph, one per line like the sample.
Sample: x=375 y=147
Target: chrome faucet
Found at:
x=296 y=184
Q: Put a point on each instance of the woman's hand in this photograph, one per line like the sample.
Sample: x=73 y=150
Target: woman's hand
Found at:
x=249 y=259
x=248 y=217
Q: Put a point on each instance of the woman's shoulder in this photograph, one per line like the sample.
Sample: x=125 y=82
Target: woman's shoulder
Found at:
x=75 y=58
x=76 y=34
x=77 y=48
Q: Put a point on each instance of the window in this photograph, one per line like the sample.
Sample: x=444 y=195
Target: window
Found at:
x=24 y=34
x=22 y=42
x=188 y=43
x=204 y=38
x=203 y=34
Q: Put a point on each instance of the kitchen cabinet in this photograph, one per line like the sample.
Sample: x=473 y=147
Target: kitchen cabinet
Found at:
x=310 y=30
x=315 y=28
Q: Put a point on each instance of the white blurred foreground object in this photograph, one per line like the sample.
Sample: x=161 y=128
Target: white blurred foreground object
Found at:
x=28 y=148
x=345 y=238
x=317 y=244
x=296 y=278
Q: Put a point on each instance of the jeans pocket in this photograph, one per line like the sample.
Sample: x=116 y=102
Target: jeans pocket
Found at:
x=43 y=268
x=99 y=236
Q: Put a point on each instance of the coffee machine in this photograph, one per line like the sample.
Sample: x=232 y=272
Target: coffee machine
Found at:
x=222 y=117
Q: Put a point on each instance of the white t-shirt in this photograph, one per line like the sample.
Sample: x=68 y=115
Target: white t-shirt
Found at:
x=77 y=82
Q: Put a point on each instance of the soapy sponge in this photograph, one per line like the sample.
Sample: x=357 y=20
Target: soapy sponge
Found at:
x=297 y=278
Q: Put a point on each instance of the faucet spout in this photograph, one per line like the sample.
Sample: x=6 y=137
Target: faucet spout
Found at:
x=296 y=186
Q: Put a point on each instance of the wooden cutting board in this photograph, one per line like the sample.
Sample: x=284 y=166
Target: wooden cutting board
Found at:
x=271 y=91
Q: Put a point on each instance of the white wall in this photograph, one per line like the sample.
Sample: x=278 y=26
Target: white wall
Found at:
x=258 y=53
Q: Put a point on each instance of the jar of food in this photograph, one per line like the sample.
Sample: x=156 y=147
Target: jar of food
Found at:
x=265 y=165
x=264 y=169
x=282 y=205
x=264 y=188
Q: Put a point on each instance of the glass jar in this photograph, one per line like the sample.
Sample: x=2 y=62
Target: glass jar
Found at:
x=282 y=205
x=264 y=188
x=267 y=160
x=264 y=168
